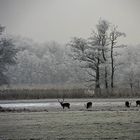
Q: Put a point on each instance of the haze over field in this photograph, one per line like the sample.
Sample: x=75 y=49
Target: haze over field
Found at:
x=45 y=20
x=42 y=50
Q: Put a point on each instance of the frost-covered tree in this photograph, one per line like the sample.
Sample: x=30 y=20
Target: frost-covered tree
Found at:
x=131 y=68
x=89 y=55
x=93 y=52
x=46 y=63
x=100 y=39
x=97 y=53
x=7 y=56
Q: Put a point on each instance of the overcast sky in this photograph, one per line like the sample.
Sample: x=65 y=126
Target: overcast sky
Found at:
x=59 y=20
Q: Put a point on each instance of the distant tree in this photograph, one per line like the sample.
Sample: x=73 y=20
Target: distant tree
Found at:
x=7 y=56
x=97 y=53
x=90 y=57
x=132 y=66
x=100 y=38
x=114 y=35
x=93 y=52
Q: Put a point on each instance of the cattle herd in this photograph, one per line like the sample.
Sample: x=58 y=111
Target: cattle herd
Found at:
x=89 y=104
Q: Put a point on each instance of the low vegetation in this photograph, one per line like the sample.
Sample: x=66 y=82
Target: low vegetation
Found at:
x=42 y=93
x=19 y=110
x=12 y=94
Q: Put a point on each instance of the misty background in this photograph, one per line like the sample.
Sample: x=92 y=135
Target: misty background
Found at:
x=42 y=29
x=59 y=20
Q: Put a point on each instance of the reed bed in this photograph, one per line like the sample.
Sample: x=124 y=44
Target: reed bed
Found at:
x=19 y=93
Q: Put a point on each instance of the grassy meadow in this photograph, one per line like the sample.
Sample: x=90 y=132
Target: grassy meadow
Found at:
x=69 y=125
x=108 y=119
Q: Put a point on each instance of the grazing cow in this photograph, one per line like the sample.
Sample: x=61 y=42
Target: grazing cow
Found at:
x=138 y=103
x=127 y=104
x=88 y=105
x=64 y=104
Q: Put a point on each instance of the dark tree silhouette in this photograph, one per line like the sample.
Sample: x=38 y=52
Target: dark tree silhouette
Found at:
x=114 y=35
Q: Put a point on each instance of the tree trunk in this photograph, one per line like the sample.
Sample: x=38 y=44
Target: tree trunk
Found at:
x=97 y=84
x=131 y=84
x=112 y=79
x=97 y=78
x=106 y=80
x=98 y=72
x=112 y=66
x=105 y=70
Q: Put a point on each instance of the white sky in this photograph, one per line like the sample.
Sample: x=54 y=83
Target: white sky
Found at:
x=59 y=20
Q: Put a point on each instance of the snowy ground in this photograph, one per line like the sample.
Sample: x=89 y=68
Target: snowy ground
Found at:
x=52 y=105
x=107 y=119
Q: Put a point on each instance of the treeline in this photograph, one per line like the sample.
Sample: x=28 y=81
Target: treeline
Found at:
x=53 y=64
x=43 y=64
x=100 y=61
x=106 y=60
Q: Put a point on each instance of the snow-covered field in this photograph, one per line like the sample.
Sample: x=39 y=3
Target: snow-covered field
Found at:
x=75 y=104
x=107 y=119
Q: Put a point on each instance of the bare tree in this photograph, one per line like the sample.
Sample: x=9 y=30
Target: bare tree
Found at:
x=89 y=55
x=94 y=55
x=114 y=35
x=93 y=52
x=102 y=29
